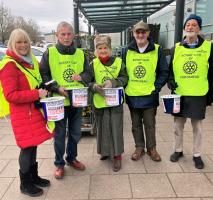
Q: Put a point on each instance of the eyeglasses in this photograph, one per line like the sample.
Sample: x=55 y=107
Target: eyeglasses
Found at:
x=140 y=31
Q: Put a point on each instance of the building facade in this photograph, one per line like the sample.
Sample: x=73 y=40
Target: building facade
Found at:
x=166 y=18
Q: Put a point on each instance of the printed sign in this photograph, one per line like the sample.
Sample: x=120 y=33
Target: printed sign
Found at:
x=113 y=96
x=80 y=97
x=53 y=108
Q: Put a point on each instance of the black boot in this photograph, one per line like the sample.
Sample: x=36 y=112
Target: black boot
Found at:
x=27 y=187
x=37 y=180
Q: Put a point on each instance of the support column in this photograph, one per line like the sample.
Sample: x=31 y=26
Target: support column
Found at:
x=76 y=24
x=145 y=19
x=91 y=43
x=128 y=35
x=121 y=38
x=124 y=37
x=179 y=20
x=89 y=29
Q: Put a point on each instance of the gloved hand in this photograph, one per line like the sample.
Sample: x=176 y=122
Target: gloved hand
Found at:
x=154 y=92
x=209 y=98
x=98 y=88
x=107 y=84
x=172 y=85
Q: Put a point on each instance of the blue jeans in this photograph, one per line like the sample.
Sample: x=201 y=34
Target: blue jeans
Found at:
x=73 y=115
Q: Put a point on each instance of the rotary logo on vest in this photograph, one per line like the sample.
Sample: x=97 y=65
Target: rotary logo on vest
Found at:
x=190 y=67
x=67 y=74
x=139 y=72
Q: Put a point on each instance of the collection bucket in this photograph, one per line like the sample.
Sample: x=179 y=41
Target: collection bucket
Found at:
x=113 y=96
x=53 y=108
x=79 y=97
x=171 y=103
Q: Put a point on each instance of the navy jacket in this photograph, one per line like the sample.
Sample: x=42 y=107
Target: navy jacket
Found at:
x=162 y=72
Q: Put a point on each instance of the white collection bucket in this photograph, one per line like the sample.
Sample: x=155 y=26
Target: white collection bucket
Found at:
x=53 y=108
x=79 y=97
x=171 y=103
x=113 y=96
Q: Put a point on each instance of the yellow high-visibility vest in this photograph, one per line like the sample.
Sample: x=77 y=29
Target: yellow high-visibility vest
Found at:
x=103 y=73
x=190 y=68
x=141 y=69
x=64 y=66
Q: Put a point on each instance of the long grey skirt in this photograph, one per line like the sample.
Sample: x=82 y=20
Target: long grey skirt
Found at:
x=109 y=123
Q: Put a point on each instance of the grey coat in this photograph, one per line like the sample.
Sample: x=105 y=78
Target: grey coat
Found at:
x=110 y=120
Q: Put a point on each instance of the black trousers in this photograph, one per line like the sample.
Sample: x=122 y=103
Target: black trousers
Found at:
x=27 y=158
x=143 y=123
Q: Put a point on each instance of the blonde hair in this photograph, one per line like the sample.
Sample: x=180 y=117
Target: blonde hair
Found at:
x=101 y=40
x=18 y=35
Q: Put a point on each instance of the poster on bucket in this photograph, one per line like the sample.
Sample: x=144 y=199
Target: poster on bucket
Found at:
x=53 y=108
x=171 y=103
x=80 y=97
x=113 y=96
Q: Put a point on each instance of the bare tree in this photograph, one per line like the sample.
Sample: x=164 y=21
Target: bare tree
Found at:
x=9 y=22
x=30 y=26
x=6 y=23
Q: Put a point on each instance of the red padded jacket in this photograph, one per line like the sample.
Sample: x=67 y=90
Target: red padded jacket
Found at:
x=28 y=124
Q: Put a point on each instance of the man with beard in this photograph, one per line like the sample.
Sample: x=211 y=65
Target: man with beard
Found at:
x=191 y=77
x=148 y=73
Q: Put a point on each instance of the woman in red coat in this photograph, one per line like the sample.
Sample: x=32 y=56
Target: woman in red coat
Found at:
x=19 y=76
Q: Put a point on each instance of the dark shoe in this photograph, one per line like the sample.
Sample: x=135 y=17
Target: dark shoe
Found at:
x=198 y=162
x=175 y=156
x=152 y=152
x=104 y=157
x=27 y=187
x=37 y=180
x=76 y=165
x=138 y=153
x=116 y=166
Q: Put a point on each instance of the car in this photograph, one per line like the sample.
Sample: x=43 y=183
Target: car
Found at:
x=2 y=52
x=38 y=52
x=47 y=45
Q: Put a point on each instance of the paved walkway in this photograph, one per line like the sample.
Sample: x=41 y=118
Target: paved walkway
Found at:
x=143 y=179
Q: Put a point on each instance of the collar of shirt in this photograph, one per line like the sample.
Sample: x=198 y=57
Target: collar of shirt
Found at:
x=192 y=45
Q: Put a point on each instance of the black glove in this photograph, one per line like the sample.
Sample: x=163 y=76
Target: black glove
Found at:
x=209 y=98
x=172 y=85
x=156 y=91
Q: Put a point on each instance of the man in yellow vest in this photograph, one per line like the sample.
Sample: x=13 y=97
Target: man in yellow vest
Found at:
x=59 y=63
x=148 y=72
x=191 y=76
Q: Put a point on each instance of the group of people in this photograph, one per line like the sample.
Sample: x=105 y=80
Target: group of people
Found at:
x=142 y=72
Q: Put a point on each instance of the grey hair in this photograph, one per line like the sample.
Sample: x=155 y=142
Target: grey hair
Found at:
x=64 y=24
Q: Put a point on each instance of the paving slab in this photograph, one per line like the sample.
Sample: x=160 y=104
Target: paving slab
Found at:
x=110 y=187
x=151 y=186
x=191 y=184
x=71 y=187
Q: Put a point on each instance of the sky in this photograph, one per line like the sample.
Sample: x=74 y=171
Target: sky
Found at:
x=47 y=13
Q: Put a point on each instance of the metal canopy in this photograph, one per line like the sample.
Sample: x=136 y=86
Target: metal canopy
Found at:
x=109 y=16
